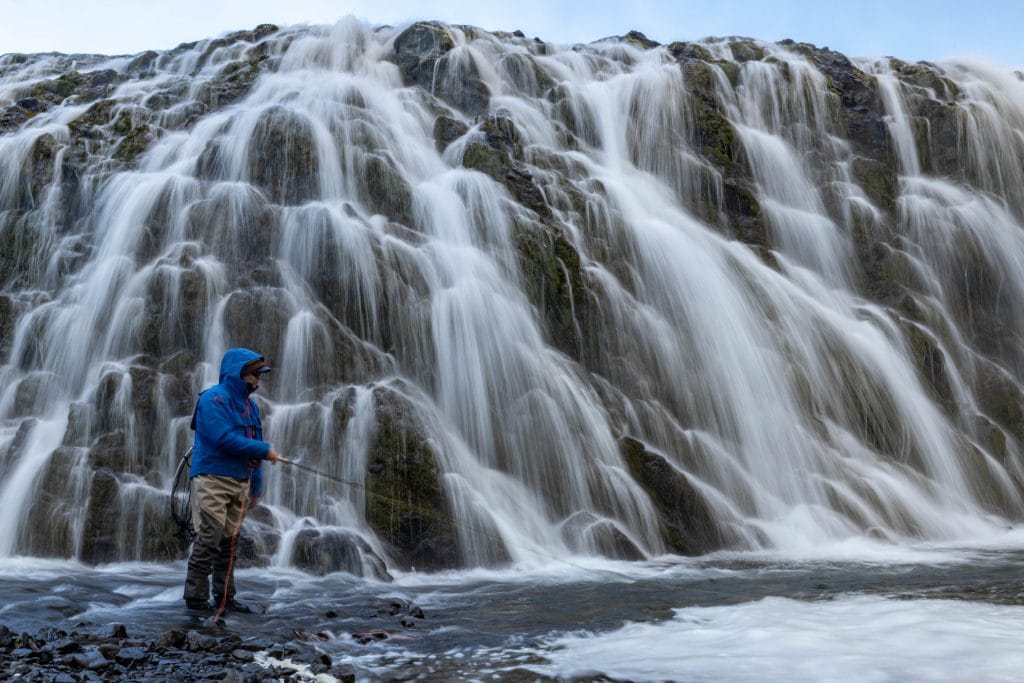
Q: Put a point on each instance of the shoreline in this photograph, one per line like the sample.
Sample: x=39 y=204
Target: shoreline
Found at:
x=177 y=654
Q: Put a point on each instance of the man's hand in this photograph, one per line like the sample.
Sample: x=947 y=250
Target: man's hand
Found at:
x=273 y=456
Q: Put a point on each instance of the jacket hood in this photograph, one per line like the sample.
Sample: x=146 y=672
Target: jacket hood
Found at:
x=231 y=368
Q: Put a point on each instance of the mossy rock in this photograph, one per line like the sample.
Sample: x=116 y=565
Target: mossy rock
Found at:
x=232 y=83
x=447 y=130
x=385 y=189
x=879 y=182
x=417 y=50
x=282 y=157
x=887 y=274
x=83 y=87
x=133 y=143
x=142 y=63
x=38 y=172
x=746 y=220
x=553 y=278
x=494 y=158
x=12 y=117
x=683 y=51
x=406 y=505
x=527 y=77
x=930 y=362
x=746 y=50
x=1001 y=399
x=32 y=394
x=422 y=54
x=255 y=318
x=860 y=113
x=927 y=76
x=688 y=525
x=937 y=135
x=98 y=114
x=109 y=451
x=9 y=313
x=49 y=527
x=102 y=518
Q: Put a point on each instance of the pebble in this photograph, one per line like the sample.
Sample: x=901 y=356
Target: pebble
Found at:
x=91 y=659
x=131 y=655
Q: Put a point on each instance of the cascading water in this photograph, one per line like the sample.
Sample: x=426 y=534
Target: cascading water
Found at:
x=610 y=299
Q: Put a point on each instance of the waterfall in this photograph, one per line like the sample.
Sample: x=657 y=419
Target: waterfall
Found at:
x=527 y=300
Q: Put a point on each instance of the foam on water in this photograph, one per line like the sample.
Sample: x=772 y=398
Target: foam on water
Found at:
x=850 y=639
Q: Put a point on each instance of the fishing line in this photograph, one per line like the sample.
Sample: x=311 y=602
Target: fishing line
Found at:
x=445 y=520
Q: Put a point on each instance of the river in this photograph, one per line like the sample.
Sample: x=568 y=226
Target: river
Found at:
x=849 y=612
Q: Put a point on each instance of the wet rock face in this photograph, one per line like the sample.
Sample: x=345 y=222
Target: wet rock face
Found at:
x=417 y=50
x=283 y=158
x=215 y=251
x=424 y=55
x=688 y=523
x=406 y=504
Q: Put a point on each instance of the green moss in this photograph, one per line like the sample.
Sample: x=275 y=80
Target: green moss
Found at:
x=1001 y=399
x=487 y=160
x=406 y=505
x=930 y=362
x=683 y=50
x=878 y=181
x=715 y=135
x=133 y=143
x=96 y=115
x=686 y=521
x=746 y=50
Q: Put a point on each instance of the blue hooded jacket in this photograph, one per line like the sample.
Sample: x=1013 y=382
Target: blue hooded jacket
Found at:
x=229 y=433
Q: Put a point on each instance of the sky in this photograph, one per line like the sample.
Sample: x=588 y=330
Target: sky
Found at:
x=909 y=29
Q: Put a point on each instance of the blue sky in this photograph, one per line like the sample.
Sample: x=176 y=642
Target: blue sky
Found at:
x=909 y=29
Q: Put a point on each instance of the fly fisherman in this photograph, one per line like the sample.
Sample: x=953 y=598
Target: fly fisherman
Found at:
x=225 y=476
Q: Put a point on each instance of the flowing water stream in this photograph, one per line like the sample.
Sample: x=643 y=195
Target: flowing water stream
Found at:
x=607 y=302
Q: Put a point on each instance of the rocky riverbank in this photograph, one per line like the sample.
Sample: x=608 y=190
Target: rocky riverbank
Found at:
x=197 y=654
x=206 y=651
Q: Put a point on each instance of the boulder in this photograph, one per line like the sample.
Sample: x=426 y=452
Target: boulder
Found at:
x=102 y=519
x=424 y=55
x=406 y=504
x=585 y=532
x=447 y=130
x=323 y=551
x=283 y=159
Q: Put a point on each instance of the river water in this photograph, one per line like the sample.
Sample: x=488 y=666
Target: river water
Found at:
x=849 y=612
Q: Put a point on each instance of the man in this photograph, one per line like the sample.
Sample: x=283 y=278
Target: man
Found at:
x=225 y=476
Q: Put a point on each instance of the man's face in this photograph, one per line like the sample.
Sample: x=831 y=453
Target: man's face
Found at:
x=253 y=379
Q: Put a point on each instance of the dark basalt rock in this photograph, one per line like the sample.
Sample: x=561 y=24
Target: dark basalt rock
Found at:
x=861 y=110
x=423 y=54
x=417 y=50
x=639 y=39
x=102 y=518
x=687 y=522
x=406 y=505
x=447 y=130
x=325 y=551
x=283 y=157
